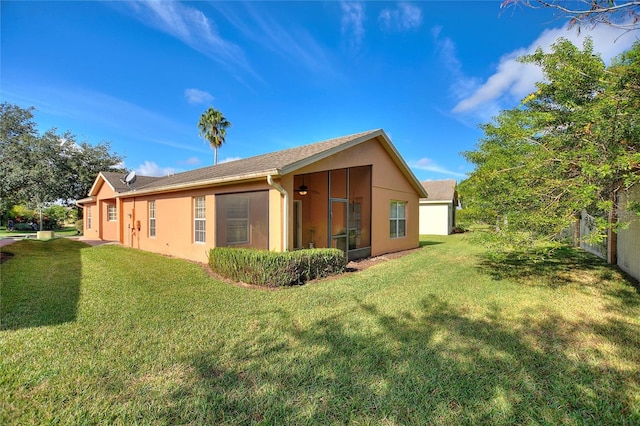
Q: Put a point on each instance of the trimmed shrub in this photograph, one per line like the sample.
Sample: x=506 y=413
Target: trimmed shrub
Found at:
x=24 y=226
x=273 y=269
x=80 y=226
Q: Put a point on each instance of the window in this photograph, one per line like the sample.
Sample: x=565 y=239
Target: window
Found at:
x=152 y=219
x=238 y=220
x=112 y=214
x=199 y=220
x=88 y=217
x=398 y=219
x=242 y=219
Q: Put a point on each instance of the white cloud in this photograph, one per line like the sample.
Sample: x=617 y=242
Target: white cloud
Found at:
x=192 y=27
x=352 y=24
x=288 y=40
x=229 y=159
x=448 y=56
x=512 y=80
x=403 y=18
x=429 y=165
x=82 y=106
x=195 y=96
x=192 y=161
x=149 y=168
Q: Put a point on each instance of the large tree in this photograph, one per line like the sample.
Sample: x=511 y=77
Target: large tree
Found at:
x=43 y=168
x=213 y=127
x=590 y=13
x=572 y=144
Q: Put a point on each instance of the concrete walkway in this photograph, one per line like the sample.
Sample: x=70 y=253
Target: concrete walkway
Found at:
x=92 y=242
x=6 y=241
x=15 y=237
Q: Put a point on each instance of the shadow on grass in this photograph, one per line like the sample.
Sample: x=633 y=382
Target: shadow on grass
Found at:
x=424 y=243
x=434 y=364
x=40 y=283
x=562 y=267
x=548 y=267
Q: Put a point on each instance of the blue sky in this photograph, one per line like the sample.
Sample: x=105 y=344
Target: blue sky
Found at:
x=139 y=74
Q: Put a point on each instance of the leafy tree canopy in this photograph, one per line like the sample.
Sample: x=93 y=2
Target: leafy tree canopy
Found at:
x=43 y=168
x=570 y=145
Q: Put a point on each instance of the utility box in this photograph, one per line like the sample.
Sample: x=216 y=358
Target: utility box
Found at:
x=45 y=235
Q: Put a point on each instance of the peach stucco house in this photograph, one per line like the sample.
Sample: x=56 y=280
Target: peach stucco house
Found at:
x=355 y=193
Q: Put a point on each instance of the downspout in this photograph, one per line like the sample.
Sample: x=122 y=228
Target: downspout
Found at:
x=285 y=216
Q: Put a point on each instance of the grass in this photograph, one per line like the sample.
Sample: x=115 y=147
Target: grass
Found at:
x=444 y=335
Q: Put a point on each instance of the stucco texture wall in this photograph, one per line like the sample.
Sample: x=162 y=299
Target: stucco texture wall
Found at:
x=175 y=221
x=388 y=184
x=174 y=210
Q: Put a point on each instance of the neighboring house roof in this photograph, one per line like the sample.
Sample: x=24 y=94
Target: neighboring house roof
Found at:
x=275 y=164
x=440 y=190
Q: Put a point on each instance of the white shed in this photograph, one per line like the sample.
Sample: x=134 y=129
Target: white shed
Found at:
x=438 y=211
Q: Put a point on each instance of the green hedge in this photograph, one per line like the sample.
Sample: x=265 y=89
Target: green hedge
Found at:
x=273 y=269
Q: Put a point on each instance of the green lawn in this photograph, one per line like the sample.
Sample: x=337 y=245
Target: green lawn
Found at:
x=107 y=334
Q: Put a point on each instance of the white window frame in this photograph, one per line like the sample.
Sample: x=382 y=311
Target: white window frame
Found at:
x=112 y=213
x=199 y=220
x=239 y=221
x=152 y=219
x=396 y=216
x=89 y=217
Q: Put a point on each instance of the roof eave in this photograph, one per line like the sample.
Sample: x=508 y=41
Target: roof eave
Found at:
x=82 y=201
x=328 y=153
x=95 y=183
x=388 y=146
x=404 y=167
x=200 y=183
x=427 y=201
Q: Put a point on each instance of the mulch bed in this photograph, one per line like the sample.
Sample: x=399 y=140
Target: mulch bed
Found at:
x=353 y=266
x=362 y=264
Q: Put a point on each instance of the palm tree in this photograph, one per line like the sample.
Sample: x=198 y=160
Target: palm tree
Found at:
x=213 y=126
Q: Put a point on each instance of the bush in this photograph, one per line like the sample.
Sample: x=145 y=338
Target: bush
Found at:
x=273 y=269
x=23 y=226
x=56 y=216
x=80 y=226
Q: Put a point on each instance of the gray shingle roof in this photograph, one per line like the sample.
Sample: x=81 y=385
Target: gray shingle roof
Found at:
x=440 y=190
x=115 y=179
x=275 y=163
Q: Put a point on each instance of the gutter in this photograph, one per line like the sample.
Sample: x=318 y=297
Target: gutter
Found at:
x=285 y=216
x=80 y=203
x=193 y=185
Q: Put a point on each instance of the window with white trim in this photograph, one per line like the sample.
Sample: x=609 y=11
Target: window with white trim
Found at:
x=112 y=213
x=199 y=220
x=238 y=219
x=88 y=217
x=397 y=219
x=152 y=218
